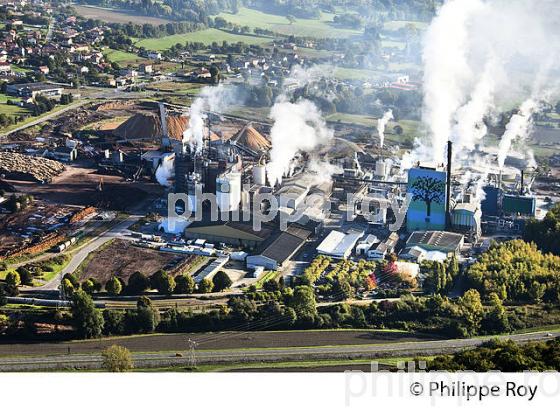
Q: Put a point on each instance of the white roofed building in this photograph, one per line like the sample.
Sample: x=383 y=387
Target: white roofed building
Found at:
x=339 y=245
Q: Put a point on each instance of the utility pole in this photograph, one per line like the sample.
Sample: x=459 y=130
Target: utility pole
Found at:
x=192 y=353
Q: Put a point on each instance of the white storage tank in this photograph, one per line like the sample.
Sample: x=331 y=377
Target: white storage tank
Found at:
x=380 y=169
x=259 y=175
x=228 y=191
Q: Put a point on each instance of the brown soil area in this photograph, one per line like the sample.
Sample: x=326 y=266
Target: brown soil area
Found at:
x=211 y=341
x=79 y=186
x=121 y=258
x=147 y=125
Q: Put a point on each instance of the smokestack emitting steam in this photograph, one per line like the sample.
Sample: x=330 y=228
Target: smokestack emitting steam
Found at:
x=381 y=123
x=215 y=99
x=448 y=185
x=519 y=126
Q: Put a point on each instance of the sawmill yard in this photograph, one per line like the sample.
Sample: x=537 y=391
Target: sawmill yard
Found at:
x=79 y=186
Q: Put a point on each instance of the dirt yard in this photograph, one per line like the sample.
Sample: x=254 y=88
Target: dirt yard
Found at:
x=78 y=185
x=121 y=258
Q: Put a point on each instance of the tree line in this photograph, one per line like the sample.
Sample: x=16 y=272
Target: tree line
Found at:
x=503 y=356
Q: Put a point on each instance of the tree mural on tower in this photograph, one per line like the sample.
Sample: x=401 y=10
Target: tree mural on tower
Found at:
x=429 y=190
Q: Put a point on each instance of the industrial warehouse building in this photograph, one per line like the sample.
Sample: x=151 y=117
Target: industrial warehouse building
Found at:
x=32 y=90
x=232 y=233
x=447 y=243
x=280 y=249
x=339 y=245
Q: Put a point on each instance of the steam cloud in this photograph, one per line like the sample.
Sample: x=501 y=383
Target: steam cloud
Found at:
x=519 y=126
x=166 y=170
x=297 y=127
x=215 y=99
x=381 y=124
x=482 y=57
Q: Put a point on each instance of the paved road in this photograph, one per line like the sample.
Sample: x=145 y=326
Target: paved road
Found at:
x=119 y=230
x=293 y=354
x=44 y=118
x=101 y=94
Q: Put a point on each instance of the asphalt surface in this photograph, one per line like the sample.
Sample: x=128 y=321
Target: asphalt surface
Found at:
x=240 y=356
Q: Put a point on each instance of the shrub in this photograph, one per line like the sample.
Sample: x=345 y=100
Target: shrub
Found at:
x=117 y=359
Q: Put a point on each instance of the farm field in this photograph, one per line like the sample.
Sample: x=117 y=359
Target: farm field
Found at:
x=360 y=74
x=7 y=109
x=116 y=16
x=366 y=120
x=398 y=24
x=207 y=36
x=301 y=27
x=124 y=58
x=217 y=341
x=176 y=87
x=393 y=44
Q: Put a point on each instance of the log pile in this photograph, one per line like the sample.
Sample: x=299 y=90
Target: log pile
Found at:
x=27 y=167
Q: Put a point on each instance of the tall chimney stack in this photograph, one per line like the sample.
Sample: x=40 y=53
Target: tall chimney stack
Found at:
x=448 y=185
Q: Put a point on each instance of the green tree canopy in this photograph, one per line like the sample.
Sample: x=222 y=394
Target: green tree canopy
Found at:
x=87 y=318
x=117 y=359
x=113 y=286
x=185 y=284
x=221 y=281
x=205 y=286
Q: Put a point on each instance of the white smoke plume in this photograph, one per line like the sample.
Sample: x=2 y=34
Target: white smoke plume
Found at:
x=322 y=170
x=381 y=124
x=302 y=76
x=215 y=99
x=166 y=170
x=297 y=127
x=481 y=57
x=519 y=126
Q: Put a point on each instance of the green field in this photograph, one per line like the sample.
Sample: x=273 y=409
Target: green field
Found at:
x=18 y=69
x=393 y=44
x=10 y=109
x=365 y=120
x=344 y=73
x=176 y=87
x=411 y=128
x=398 y=24
x=122 y=57
x=302 y=27
x=207 y=36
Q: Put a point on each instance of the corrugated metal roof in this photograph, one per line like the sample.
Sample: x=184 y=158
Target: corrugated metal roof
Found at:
x=439 y=239
x=286 y=244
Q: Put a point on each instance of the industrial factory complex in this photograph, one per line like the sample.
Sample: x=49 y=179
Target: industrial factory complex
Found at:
x=204 y=183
